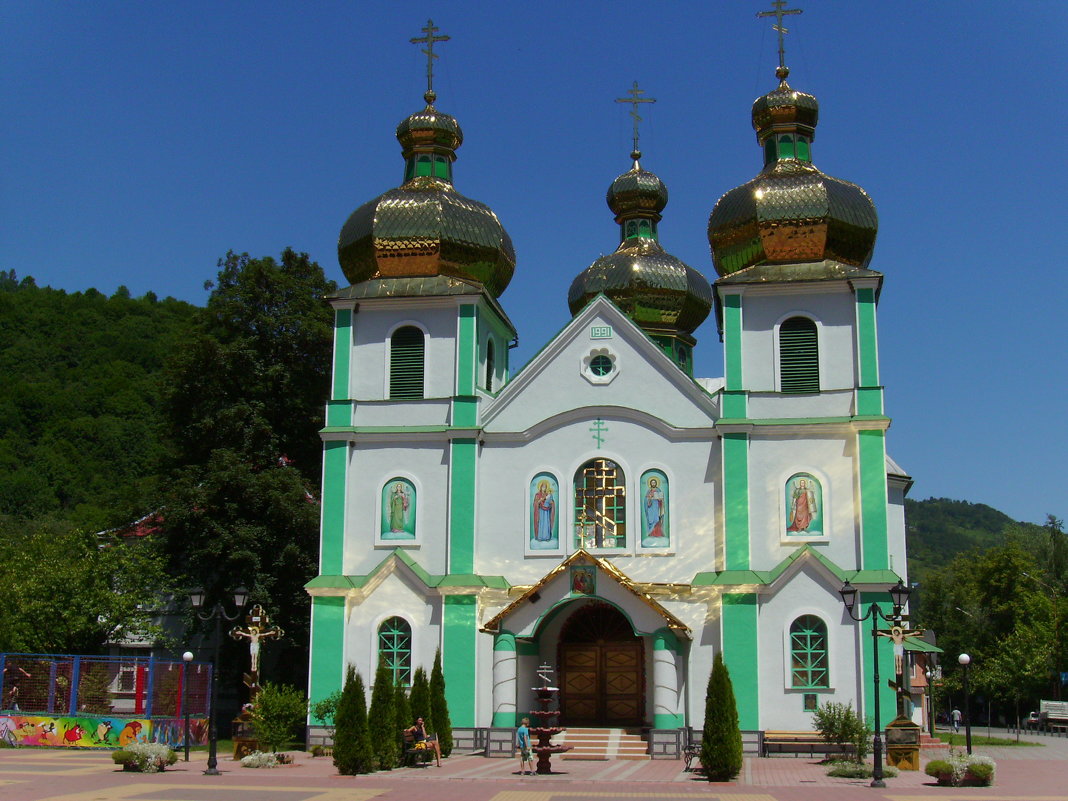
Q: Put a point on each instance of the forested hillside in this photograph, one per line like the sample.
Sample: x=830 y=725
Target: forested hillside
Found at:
x=79 y=401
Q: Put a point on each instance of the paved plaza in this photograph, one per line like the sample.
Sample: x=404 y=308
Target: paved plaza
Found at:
x=30 y=774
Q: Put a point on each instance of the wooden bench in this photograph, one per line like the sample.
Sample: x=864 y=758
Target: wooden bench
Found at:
x=809 y=743
x=415 y=756
x=690 y=753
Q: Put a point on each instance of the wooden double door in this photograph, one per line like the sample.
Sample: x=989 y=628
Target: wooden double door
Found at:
x=602 y=683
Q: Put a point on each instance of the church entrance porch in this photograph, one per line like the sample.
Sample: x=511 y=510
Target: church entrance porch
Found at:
x=602 y=669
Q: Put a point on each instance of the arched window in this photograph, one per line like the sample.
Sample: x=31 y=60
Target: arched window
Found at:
x=406 y=351
x=395 y=649
x=489 y=366
x=799 y=357
x=808 y=653
x=600 y=505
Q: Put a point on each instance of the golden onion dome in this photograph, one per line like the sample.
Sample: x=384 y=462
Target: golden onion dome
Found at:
x=425 y=227
x=791 y=212
x=659 y=292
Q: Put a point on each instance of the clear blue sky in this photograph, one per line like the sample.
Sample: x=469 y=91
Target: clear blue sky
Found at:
x=143 y=140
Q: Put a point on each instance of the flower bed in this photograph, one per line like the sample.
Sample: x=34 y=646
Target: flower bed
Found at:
x=144 y=757
x=962 y=770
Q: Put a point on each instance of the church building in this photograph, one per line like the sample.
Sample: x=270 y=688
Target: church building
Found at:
x=603 y=510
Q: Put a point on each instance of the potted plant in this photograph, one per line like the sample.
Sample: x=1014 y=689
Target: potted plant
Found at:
x=941 y=770
x=144 y=757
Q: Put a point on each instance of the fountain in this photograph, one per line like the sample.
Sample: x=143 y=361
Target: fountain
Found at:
x=544 y=716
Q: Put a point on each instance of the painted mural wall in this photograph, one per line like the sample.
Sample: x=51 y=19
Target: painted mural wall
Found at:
x=82 y=731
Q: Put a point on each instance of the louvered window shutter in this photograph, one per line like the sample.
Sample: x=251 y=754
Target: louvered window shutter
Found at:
x=799 y=357
x=406 y=353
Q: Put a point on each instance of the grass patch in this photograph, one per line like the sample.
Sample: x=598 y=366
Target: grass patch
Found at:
x=961 y=740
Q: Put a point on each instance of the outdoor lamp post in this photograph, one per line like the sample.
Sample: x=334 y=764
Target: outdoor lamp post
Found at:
x=187 y=657
x=966 y=660
x=900 y=595
x=930 y=701
x=218 y=614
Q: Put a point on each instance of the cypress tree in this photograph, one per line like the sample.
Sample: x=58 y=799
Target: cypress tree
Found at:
x=382 y=719
x=352 y=743
x=402 y=711
x=419 y=700
x=439 y=707
x=721 y=745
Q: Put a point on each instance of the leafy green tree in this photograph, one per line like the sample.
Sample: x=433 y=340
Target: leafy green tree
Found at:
x=721 y=743
x=353 y=752
x=439 y=707
x=276 y=713
x=243 y=401
x=419 y=700
x=324 y=711
x=70 y=592
x=382 y=720
x=840 y=724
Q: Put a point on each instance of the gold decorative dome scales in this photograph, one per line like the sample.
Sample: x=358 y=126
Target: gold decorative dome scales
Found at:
x=425 y=227
x=791 y=212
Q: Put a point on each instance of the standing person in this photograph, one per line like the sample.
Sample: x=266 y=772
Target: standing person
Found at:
x=526 y=753
x=955 y=716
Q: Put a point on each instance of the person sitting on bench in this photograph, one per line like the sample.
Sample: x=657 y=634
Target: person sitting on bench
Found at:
x=419 y=735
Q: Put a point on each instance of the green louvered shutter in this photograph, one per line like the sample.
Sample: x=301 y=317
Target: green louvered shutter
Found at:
x=406 y=363
x=799 y=356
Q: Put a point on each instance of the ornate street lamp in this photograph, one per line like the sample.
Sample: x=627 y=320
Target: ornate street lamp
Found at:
x=187 y=657
x=900 y=596
x=218 y=614
x=965 y=661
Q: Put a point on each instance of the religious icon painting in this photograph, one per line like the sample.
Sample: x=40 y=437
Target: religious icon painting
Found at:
x=583 y=580
x=654 y=510
x=544 y=513
x=398 y=510
x=804 y=506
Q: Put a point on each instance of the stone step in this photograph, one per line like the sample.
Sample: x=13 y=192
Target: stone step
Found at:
x=602 y=744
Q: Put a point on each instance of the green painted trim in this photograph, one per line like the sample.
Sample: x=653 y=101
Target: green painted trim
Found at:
x=330 y=583
x=527 y=647
x=867 y=340
x=736 y=500
x=727 y=578
x=741 y=654
x=870 y=400
x=462 y=461
x=461 y=580
x=873 y=501
x=916 y=644
x=505 y=641
x=342 y=354
x=664 y=639
x=395 y=429
x=339 y=413
x=467 y=351
x=795 y=421
x=732 y=342
x=327 y=669
x=458 y=656
x=465 y=412
x=668 y=721
x=505 y=720
x=332 y=537
x=735 y=405
x=887 y=697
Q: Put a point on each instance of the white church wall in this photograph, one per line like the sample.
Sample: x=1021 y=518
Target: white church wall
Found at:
x=808 y=592
x=773 y=405
x=505 y=473
x=697 y=654
x=773 y=460
x=371 y=465
x=395 y=596
x=561 y=385
x=373 y=326
x=895 y=529
x=834 y=315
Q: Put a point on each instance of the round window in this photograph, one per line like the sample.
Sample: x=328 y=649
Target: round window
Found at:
x=600 y=365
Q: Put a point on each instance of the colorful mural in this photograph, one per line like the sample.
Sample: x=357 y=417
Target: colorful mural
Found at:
x=656 y=532
x=82 y=731
x=804 y=506
x=544 y=513
x=398 y=510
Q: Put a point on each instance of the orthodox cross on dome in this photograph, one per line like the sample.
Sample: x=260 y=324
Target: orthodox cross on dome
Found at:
x=634 y=99
x=428 y=39
x=781 y=29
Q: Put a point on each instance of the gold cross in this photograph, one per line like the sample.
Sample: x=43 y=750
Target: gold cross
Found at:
x=428 y=39
x=779 y=13
x=634 y=99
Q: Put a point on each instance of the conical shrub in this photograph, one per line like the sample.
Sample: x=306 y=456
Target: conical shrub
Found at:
x=352 y=743
x=382 y=720
x=439 y=707
x=721 y=745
